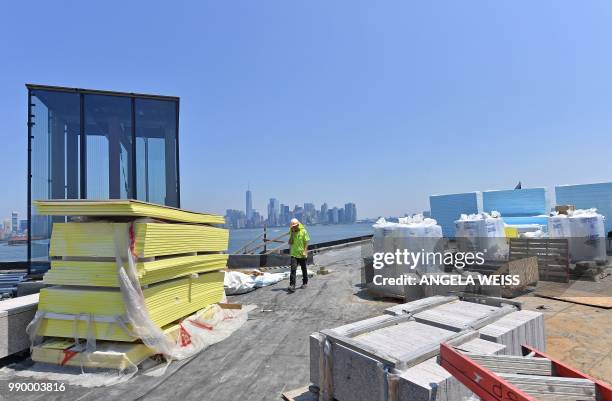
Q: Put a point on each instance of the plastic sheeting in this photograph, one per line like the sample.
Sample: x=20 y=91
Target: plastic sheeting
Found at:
x=482 y=232
x=587 y=231
x=205 y=328
x=240 y=283
x=559 y=226
x=415 y=234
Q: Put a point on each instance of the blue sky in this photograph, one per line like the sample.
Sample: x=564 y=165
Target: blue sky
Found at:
x=380 y=103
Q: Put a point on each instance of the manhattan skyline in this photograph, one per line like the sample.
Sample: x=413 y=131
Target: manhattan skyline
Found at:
x=279 y=214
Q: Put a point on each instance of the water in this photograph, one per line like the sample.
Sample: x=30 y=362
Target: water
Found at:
x=318 y=233
x=238 y=238
x=13 y=253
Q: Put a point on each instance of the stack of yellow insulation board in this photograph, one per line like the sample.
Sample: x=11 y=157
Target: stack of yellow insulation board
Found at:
x=111 y=355
x=104 y=273
x=123 y=208
x=177 y=258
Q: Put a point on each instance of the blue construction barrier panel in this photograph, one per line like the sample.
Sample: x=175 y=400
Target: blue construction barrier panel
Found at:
x=586 y=196
x=446 y=209
x=516 y=202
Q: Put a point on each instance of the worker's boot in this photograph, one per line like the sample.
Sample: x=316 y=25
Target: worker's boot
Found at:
x=304 y=286
x=291 y=288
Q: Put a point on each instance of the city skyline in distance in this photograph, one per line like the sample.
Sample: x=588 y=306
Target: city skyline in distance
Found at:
x=278 y=214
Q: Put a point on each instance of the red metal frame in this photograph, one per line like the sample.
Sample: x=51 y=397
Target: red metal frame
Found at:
x=560 y=369
x=481 y=381
x=490 y=387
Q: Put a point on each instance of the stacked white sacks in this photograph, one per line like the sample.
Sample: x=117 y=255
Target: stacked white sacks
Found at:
x=482 y=232
x=420 y=235
x=587 y=232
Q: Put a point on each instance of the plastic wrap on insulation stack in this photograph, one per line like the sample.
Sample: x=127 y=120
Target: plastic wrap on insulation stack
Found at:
x=482 y=232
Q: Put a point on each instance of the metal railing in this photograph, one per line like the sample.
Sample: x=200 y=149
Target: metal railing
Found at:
x=262 y=241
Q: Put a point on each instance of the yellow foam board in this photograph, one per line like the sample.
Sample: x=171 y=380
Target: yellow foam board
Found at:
x=511 y=232
x=122 y=208
x=166 y=302
x=108 y=355
x=104 y=273
x=97 y=239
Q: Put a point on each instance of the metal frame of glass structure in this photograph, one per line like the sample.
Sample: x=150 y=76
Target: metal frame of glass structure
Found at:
x=94 y=144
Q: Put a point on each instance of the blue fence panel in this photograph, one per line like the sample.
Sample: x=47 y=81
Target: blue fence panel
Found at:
x=447 y=208
x=516 y=202
x=586 y=196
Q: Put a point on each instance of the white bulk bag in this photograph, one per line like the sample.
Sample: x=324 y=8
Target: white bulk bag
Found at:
x=587 y=242
x=559 y=226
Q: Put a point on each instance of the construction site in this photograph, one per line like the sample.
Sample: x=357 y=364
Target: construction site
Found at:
x=473 y=139
x=136 y=305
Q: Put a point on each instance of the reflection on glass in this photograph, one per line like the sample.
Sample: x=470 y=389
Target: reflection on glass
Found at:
x=108 y=129
x=55 y=158
x=156 y=172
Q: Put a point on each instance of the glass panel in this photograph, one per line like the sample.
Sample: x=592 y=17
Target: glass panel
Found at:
x=108 y=129
x=156 y=170
x=55 y=158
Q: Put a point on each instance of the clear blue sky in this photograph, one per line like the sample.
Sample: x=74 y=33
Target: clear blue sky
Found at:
x=380 y=103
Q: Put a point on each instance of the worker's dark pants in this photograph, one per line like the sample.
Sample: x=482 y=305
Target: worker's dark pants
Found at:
x=294 y=263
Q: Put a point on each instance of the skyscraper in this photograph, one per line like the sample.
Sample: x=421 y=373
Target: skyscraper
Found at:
x=273 y=212
x=323 y=214
x=14 y=223
x=332 y=215
x=285 y=215
x=350 y=213
x=309 y=212
x=249 y=205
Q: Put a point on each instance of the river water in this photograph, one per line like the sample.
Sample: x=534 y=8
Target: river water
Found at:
x=238 y=238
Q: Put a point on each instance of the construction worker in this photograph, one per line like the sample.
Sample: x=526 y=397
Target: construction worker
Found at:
x=298 y=241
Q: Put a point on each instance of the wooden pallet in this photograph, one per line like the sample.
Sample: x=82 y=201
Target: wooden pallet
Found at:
x=306 y=393
x=552 y=254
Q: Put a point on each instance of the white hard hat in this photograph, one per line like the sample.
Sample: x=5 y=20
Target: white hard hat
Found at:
x=294 y=222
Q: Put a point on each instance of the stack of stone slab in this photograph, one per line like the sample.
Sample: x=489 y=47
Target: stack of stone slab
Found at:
x=15 y=315
x=394 y=356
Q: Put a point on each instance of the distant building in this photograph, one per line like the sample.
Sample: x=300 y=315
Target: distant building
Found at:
x=256 y=220
x=310 y=212
x=6 y=228
x=23 y=226
x=350 y=213
x=249 y=205
x=273 y=212
x=285 y=215
x=14 y=223
x=235 y=218
x=323 y=214
x=332 y=215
